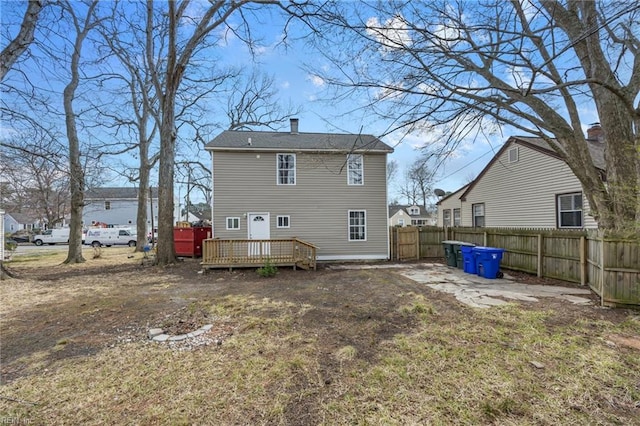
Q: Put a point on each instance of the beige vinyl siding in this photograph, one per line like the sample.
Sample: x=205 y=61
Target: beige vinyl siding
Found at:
x=318 y=204
x=523 y=193
x=452 y=202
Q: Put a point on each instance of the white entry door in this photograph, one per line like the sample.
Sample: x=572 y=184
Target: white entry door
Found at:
x=259 y=229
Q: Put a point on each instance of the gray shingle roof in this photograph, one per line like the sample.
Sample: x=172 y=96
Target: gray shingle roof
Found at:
x=115 y=193
x=287 y=141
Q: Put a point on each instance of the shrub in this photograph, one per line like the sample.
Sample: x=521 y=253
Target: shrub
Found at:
x=268 y=270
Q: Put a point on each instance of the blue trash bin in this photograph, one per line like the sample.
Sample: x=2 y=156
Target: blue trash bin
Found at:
x=488 y=261
x=468 y=259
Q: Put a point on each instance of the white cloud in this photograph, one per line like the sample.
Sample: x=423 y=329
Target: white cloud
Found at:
x=316 y=80
x=285 y=85
x=393 y=34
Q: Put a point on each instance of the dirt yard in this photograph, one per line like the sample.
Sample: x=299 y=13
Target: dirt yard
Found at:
x=303 y=347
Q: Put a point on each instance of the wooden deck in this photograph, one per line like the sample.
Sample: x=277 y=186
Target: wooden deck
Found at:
x=218 y=253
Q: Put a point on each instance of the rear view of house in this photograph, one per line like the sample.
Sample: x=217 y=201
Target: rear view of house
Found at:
x=323 y=188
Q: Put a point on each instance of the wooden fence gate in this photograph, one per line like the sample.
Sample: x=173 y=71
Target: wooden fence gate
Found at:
x=408 y=243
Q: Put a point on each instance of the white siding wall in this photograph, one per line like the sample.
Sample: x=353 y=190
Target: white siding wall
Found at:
x=317 y=204
x=400 y=214
x=523 y=193
x=122 y=212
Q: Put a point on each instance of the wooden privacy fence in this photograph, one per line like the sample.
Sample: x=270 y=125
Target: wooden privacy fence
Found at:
x=610 y=266
x=218 y=253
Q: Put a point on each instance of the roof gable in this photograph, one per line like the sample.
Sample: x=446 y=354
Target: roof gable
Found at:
x=287 y=141
x=596 y=149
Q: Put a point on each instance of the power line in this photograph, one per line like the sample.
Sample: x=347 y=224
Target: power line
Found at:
x=463 y=167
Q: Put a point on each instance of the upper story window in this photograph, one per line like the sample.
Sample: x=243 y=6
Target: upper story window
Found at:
x=414 y=210
x=446 y=217
x=570 y=210
x=286 y=164
x=355 y=169
x=107 y=205
x=478 y=215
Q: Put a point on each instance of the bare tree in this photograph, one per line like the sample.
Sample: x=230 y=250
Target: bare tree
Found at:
x=392 y=171
x=81 y=26
x=186 y=36
x=534 y=66
x=23 y=39
x=35 y=183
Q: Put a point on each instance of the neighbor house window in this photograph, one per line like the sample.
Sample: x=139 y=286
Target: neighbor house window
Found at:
x=357 y=225
x=233 y=223
x=414 y=210
x=456 y=217
x=286 y=169
x=283 y=222
x=355 y=169
x=570 y=210
x=401 y=222
x=446 y=217
x=478 y=215
x=107 y=205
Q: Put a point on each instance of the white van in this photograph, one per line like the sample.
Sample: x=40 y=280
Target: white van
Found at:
x=98 y=237
x=52 y=236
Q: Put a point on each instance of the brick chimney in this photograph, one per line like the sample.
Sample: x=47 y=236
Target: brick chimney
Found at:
x=595 y=133
x=294 y=125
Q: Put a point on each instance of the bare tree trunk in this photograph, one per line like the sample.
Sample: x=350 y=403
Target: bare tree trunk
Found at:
x=76 y=171
x=19 y=45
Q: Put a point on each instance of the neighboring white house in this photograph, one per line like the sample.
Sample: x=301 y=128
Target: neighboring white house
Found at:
x=526 y=185
x=116 y=206
x=406 y=215
x=14 y=222
x=326 y=189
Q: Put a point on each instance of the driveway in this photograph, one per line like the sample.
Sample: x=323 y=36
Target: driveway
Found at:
x=479 y=292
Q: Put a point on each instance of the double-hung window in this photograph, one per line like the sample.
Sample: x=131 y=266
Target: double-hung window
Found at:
x=355 y=169
x=357 y=225
x=456 y=217
x=282 y=221
x=478 y=215
x=286 y=164
x=446 y=217
x=570 y=210
x=107 y=205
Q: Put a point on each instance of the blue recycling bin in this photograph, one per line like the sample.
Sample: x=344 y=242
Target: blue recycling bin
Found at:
x=468 y=259
x=488 y=261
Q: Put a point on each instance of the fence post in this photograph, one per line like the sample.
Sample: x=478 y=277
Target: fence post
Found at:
x=417 y=243
x=601 y=266
x=540 y=255
x=583 y=260
x=485 y=239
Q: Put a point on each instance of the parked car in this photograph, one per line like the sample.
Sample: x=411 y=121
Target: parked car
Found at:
x=21 y=238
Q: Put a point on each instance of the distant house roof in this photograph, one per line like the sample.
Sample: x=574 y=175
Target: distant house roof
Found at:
x=393 y=209
x=288 y=141
x=22 y=218
x=457 y=191
x=115 y=193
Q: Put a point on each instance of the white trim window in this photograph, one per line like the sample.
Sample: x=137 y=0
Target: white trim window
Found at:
x=355 y=169
x=570 y=210
x=446 y=217
x=233 y=223
x=456 y=217
x=283 y=221
x=107 y=205
x=478 y=215
x=286 y=169
x=357 y=225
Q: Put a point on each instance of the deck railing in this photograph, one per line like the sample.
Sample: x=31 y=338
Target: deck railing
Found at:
x=219 y=253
